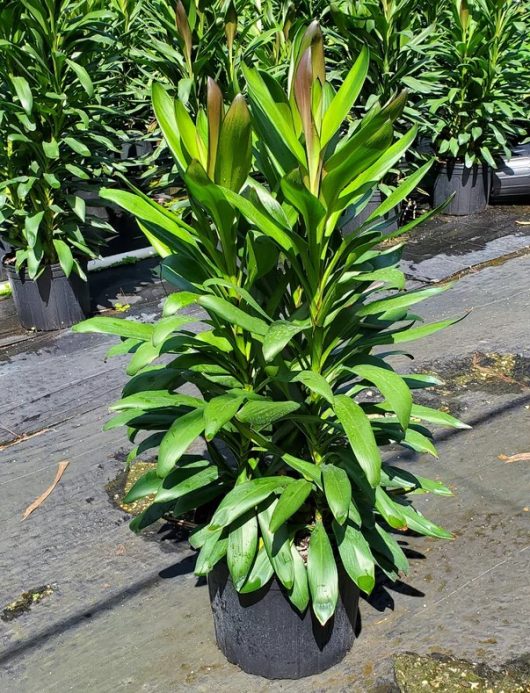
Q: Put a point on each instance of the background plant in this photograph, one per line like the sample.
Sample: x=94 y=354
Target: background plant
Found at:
x=399 y=34
x=54 y=144
x=480 y=103
x=292 y=313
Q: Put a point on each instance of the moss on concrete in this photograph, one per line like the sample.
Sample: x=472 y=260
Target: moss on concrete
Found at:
x=420 y=674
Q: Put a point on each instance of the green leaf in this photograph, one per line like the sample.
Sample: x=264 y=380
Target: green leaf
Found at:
x=77 y=146
x=345 y=98
x=31 y=228
x=402 y=300
x=360 y=436
x=147 y=484
x=316 y=383
x=263 y=99
x=83 y=76
x=260 y=573
x=164 y=108
x=265 y=223
x=186 y=479
x=418 y=523
x=166 y=326
x=384 y=544
x=293 y=497
x=322 y=574
x=389 y=510
x=64 y=254
x=213 y=550
x=242 y=547
x=158 y=220
x=355 y=555
x=246 y=496
x=77 y=172
x=263 y=413
x=277 y=544
x=218 y=412
x=338 y=491
x=308 y=470
x=178 y=439
x=392 y=387
x=299 y=593
x=175 y=302
x=234 y=153
x=23 y=92
x=51 y=149
x=233 y=315
x=436 y=416
x=393 y=477
x=156 y=399
x=278 y=335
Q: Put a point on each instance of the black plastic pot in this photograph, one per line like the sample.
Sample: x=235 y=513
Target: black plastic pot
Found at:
x=470 y=185
x=50 y=302
x=351 y=221
x=265 y=635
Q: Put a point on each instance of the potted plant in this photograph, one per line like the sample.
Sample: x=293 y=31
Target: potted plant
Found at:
x=399 y=35
x=295 y=508
x=478 y=103
x=51 y=145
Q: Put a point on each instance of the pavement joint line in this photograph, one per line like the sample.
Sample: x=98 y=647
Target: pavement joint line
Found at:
x=61 y=389
x=477 y=577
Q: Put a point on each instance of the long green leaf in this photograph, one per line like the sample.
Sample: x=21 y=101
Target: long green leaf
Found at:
x=355 y=555
x=360 y=436
x=345 y=98
x=322 y=574
x=338 y=491
x=233 y=315
x=293 y=497
x=242 y=547
x=246 y=496
x=178 y=439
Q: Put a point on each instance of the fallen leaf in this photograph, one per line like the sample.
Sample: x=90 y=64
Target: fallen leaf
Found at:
x=520 y=457
x=40 y=500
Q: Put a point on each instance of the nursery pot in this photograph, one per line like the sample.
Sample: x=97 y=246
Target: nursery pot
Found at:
x=50 y=302
x=470 y=185
x=351 y=221
x=264 y=634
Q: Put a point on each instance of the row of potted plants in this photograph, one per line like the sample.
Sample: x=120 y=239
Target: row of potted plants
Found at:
x=294 y=508
x=74 y=93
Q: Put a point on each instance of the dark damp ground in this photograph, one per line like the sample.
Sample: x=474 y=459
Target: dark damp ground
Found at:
x=128 y=614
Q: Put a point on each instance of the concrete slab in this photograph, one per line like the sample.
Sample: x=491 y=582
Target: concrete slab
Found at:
x=448 y=245
x=127 y=613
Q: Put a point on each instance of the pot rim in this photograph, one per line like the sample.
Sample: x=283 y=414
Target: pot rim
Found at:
x=55 y=269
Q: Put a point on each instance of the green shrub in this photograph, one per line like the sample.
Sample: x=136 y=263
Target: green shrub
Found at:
x=285 y=360
x=54 y=140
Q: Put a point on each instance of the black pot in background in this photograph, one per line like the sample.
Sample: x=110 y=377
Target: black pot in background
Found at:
x=350 y=222
x=50 y=302
x=265 y=635
x=470 y=185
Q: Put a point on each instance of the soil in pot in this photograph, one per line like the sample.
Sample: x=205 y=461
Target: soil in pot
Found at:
x=351 y=221
x=265 y=635
x=471 y=188
x=50 y=302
